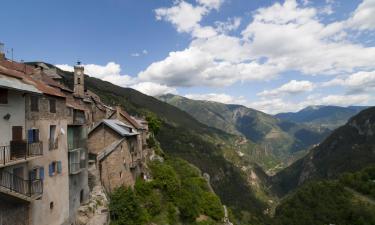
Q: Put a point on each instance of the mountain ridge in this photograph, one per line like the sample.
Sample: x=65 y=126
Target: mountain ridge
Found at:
x=277 y=139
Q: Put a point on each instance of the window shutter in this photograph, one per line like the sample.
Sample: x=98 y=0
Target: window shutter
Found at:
x=59 y=167
x=36 y=135
x=50 y=170
x=41 y=173
x=30 y=136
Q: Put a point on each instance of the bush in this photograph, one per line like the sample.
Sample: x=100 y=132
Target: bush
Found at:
x=154 y=123
x=125 y=208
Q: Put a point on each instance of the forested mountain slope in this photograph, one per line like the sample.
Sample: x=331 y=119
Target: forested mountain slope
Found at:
x=348 y=149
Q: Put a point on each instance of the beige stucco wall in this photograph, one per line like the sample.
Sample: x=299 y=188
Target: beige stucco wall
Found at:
x=16 y=109
x=55 y=188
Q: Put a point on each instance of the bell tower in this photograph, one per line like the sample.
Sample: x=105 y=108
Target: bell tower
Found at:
x=79 y=80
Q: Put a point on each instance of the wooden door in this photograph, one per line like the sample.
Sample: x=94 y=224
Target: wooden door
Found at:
x=17 y=133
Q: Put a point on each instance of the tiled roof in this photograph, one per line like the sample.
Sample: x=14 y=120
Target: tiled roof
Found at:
x=130 y=119
x=10 y=82
x=23 y=71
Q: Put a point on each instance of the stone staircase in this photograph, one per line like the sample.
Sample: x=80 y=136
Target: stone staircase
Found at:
x=95 y=212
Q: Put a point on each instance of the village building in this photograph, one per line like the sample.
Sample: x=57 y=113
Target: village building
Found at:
x=115 y=147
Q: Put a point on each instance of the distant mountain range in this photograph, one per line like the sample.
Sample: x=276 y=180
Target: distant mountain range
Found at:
x=324 y=116
x=280 y=140
x=348 y=149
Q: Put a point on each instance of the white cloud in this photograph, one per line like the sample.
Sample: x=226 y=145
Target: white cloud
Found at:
x=362 y=81
x=218 y=97
x=363 y=17
x=280 y=38
x=277 y=105
x=183 y=15
x=340 y=100
x=211 y=4
x=195 y=67
x=153 y=89
x=110 y=72
x=138 y=54
x=292 y=35
x=292 y=87
x=229 y=25
x=65 y=67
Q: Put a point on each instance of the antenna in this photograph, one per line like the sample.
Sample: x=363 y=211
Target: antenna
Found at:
x=1 y=47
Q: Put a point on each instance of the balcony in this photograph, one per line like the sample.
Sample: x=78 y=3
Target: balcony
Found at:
x=15 y=186
x=19 y=151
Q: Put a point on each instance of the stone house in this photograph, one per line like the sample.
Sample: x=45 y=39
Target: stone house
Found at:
x=115 y=147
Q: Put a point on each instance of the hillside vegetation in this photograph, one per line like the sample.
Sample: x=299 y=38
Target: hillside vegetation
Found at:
x=177 y=194
x=330 y=202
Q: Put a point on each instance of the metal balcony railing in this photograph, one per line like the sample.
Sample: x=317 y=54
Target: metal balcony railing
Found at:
x=19 y=151
x=13 y=183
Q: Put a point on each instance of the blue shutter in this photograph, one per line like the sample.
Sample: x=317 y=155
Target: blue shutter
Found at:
x=30 y=137
x=41 y=173
x=50 y=170
x=59 y=167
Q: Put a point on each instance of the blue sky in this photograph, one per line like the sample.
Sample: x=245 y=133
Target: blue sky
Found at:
x=271 y=55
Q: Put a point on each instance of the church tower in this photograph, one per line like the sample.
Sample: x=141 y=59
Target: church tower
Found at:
x=79 y=80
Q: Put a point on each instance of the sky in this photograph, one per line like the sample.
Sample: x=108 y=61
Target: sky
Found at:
x=274 y=56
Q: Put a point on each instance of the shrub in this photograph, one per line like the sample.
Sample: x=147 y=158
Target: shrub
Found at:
x=125 y=208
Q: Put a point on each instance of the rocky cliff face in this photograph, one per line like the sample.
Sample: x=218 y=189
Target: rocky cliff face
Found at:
x=348 y=149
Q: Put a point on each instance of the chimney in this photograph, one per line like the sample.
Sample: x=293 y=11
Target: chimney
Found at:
x=2 y=53
x=118 y=111
x=37 y=72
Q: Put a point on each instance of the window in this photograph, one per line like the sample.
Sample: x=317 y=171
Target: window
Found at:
x=51 y=205
x=52 y=141
x=54 y=168
x=81 y=196
x=3 y=96
x=78 y=80
x=74 y=162
x=36 y=174
x=52 y=106
x=33 y=136
x=34 y=103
